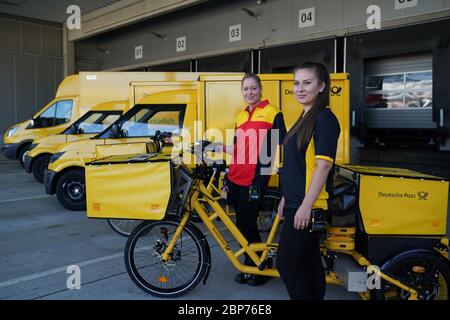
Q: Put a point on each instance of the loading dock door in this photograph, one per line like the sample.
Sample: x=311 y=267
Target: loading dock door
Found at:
x=398 y=92
x=441 y=90
x=235 y=62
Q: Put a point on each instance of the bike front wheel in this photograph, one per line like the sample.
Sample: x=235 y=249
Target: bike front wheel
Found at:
x=186 y=267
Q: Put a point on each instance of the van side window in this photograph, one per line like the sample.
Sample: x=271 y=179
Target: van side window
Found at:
x=58 y=113
x=167 y=121
x=146 y=122
x=46 y=118
x=97 y=122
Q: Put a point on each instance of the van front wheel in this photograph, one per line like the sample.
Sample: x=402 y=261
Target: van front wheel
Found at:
x=39 y=166
x=21 y=155
x=71 y=190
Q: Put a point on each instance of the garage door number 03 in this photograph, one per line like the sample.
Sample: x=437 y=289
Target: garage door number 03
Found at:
x=235 y=33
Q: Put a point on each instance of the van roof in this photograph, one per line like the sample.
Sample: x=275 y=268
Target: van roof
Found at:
x=69 y=87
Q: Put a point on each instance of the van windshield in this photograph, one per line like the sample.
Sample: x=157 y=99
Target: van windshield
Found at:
x=145 y=120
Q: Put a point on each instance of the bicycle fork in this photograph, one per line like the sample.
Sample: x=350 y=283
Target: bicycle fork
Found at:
x=166 y=255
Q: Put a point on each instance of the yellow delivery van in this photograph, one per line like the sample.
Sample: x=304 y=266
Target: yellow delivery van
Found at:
x=76 y=94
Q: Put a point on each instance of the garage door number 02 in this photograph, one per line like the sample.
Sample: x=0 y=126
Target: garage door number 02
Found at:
x=181 y=44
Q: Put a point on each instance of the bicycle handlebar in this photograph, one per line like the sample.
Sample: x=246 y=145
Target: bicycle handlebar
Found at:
x=160 y=137
x=200 y=148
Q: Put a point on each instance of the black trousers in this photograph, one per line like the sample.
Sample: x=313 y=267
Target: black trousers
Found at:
x=299 y=261
x=246 y=213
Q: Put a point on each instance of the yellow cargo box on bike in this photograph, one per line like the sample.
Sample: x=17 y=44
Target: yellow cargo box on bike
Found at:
x=394 y=201
x=107 y=178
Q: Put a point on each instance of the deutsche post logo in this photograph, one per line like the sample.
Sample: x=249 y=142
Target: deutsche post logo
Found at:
x=422 y=195
x=336 y=91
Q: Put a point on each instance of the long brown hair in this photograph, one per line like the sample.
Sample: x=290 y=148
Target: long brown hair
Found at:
x=304 y=126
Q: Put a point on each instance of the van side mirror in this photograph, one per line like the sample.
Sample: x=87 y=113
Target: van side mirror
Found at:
x=32 y=121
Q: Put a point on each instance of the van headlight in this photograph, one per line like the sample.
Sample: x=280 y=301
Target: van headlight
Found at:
x=56 y=156
x=11 y=131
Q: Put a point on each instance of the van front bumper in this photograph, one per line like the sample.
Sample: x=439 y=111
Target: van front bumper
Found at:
x=10 y=150
x=49 y=178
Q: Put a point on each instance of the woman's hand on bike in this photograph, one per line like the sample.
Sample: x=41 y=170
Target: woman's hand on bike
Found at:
x=228 y=149
x=302 y=217
x=281 y=208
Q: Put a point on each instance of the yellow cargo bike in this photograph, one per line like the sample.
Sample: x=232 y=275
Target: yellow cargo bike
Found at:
x=385 y=234
x=390 y=244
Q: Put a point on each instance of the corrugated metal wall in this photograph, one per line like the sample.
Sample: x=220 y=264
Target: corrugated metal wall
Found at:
x=31 y=66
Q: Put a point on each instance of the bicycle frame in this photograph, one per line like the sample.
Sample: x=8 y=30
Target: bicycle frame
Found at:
x=258 y=252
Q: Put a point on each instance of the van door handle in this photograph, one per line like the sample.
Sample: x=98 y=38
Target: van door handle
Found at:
x=441 y=118
x=353 y=118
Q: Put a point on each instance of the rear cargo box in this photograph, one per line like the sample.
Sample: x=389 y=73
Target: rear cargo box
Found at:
x=395 y=201
x=129 y=187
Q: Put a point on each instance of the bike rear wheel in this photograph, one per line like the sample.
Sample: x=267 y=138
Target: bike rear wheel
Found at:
x=186 y=267
x=123 y=227
x=427 y=273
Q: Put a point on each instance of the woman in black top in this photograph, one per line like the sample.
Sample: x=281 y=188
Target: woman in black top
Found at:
x=309 y=153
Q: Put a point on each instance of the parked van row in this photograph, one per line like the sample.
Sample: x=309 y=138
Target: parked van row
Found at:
x=76 y=95
x=55 y=151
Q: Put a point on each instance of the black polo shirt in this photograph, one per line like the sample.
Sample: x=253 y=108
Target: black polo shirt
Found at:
x=299 y=165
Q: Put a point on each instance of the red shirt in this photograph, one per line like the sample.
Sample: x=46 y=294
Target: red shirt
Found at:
x=252 y=140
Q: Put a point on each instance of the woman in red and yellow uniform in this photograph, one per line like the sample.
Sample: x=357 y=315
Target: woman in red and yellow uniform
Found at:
x=259 y=130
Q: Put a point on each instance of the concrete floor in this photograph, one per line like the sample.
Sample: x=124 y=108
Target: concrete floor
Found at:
x=39 y=239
